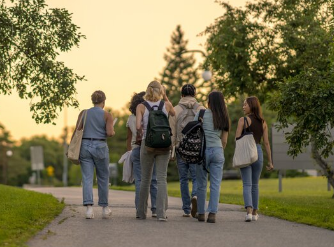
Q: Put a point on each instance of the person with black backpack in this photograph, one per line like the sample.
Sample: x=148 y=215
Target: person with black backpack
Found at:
x=216 y=125
x=185 y=112
x=153 y=128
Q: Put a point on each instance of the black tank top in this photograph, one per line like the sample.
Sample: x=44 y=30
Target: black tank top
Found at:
x=256 y=127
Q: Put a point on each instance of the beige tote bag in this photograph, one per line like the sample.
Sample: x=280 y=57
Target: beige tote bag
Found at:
x=73 y=152
x=245 y=149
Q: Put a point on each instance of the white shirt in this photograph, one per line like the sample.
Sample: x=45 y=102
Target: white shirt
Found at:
x=131 y=123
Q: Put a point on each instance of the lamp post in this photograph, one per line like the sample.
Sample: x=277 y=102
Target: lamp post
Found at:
x=65 y=146
x=9 y=153
x=206 y=75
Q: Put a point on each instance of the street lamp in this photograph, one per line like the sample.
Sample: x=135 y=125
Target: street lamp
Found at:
x=206 y=75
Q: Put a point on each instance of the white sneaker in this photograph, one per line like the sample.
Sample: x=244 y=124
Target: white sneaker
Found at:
x=106 y=212
x=255 y=217
x=89 y=212
x=248 y=218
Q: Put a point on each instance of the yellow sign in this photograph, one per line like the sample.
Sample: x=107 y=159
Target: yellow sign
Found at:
x=50 y=170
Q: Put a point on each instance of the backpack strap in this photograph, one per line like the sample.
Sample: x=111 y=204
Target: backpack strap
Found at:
x=147 y=105
x=201 y=115
x=161 y=105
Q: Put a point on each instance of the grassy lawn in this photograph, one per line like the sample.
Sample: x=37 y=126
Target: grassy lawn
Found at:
x=23 y=213
x=303 y=200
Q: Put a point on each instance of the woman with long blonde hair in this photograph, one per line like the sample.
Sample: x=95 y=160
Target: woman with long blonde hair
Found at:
x=154 y=96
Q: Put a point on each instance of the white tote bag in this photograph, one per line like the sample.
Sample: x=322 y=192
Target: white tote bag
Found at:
x=73 y=152
x=245 y=149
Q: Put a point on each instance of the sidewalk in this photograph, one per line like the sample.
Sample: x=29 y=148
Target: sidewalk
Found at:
x=70 y=228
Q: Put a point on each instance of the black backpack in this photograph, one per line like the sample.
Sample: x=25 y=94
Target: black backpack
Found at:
x=192 y=145
x=158 y=133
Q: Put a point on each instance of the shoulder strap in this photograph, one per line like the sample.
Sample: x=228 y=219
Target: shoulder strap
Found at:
x=161 y=105
x=83 y=119
x=147 y=105
x=246 y=121
x=201 y=115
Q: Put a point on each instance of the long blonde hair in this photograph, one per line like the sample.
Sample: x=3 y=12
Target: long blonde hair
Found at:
x=154 y=92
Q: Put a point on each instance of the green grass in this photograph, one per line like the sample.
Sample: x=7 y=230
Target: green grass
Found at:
x=304 y=200
x=23 y=213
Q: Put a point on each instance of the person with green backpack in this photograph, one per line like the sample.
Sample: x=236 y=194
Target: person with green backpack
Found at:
x=154 y=131
x=185 y=112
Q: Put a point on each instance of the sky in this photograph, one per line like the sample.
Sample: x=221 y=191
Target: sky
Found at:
x=123 y=52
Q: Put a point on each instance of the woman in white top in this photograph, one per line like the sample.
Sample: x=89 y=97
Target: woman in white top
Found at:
x=154 y=93
x=134 y=145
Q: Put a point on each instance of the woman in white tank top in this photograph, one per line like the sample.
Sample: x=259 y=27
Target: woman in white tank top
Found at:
x=154 y=94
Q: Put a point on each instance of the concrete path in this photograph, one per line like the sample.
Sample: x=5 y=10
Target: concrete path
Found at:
x=70 y=228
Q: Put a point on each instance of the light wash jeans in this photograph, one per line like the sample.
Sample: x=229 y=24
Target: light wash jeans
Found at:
x=94 y=154
x=250 y=179
x=214 y=158
x=147 y=163
x=135 y=159
x=184 y=170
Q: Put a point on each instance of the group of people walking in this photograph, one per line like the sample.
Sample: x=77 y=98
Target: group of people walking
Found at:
x=150 y=164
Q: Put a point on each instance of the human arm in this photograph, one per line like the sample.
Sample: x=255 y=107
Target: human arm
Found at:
x=270 y=165
x=240 y=127
x=139 y=118
x=224 y=138
x=109 y=124
x=169 y=107
x=128 y=139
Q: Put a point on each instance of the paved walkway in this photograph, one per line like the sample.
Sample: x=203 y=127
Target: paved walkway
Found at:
x=70 y=228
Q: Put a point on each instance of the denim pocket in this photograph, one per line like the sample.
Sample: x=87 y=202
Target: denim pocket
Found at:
x=101 y=151
x=84 y=153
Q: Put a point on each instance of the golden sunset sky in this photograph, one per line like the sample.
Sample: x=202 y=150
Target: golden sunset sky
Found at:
x=123 y=52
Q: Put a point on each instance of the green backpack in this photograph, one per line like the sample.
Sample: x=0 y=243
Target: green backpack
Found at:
x=158 y=133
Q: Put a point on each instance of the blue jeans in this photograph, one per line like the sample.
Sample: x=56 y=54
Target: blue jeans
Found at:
x=184 y=169
x=214 y=162
x=94 y=154
x=135 y=159
x=250 y=179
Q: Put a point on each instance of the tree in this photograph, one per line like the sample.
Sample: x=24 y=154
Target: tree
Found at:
x=180 y=67
x=5 y=143
x=31 y=37
x=280 y=48
x=251 y=50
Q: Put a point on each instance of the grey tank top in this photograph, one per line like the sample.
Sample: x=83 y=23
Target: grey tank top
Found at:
x=95 y=126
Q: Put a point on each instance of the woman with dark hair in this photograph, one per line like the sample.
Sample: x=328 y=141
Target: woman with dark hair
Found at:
x=94 y=153
x=134 y=145
x=216 y=125
x=251 y=174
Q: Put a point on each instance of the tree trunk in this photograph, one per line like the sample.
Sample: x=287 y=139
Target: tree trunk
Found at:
x=327 y=170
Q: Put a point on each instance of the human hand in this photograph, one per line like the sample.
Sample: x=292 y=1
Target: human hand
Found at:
x=270 y=166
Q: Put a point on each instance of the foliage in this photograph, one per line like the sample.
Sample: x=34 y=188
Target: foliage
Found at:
x=31 y=38
x=281 y=48
x=24 y=213
x=307 y=100
x=254 y=48
x=180 y=67
x=52 y=151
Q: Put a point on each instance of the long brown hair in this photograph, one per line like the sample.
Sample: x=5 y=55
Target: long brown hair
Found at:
x=218 y=107
x=255 y=107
